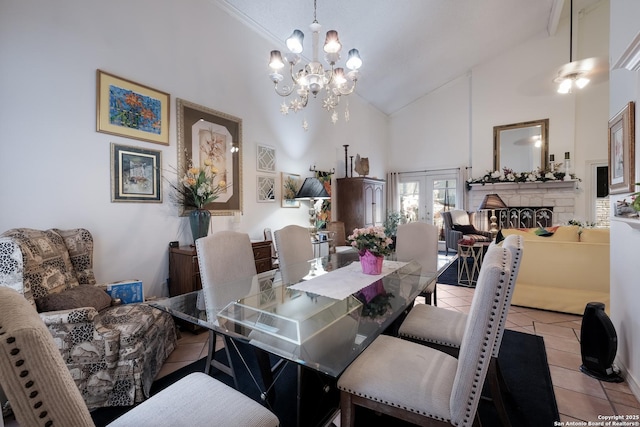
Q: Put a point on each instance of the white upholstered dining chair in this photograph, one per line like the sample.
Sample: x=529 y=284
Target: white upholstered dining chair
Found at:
x=425 y=386
x=224 y=257
x=42 y=392
x=294 y=248
x=443 y=329
x=418 y=241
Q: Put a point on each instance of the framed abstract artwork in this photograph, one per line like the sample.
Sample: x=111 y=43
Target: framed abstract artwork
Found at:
x=622 y=151
x=266 y=158
x=135 y=174
x=132 y=110
x=266 y=189
x=206 y=135
x=290 y=187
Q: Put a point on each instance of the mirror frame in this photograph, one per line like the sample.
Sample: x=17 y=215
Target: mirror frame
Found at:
x=497 y=131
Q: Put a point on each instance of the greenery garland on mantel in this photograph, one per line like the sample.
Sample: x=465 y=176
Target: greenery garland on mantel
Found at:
x=508 y=176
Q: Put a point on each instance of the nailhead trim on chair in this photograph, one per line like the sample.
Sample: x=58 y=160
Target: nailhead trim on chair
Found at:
x=25 y=374
x=477 y=385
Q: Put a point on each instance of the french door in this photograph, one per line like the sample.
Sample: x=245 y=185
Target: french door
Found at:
x=423 y=196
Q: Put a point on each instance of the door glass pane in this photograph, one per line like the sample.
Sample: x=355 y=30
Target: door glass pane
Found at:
x=409 y=200
x=444 y=199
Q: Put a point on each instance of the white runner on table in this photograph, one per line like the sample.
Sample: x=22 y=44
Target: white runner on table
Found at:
x=341 y=283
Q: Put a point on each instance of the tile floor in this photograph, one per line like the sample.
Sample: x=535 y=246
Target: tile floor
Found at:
x=579 y=397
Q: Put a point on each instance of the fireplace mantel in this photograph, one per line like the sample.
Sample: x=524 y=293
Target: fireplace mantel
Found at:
x=558 y=195
x=499 y=186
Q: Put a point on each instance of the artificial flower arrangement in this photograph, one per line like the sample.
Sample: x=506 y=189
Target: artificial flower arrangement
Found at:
x=508 y=175
x=372 y=239
x=199 y=186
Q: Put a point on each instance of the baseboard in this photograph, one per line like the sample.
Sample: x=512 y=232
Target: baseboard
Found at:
x=633 y=383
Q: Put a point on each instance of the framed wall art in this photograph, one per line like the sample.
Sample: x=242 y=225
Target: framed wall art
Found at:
x=135 y=174
x=290 y=187
x=266 y=188
x=132 y=110
x=206 y=134
x=266 y=158
x=622 y=151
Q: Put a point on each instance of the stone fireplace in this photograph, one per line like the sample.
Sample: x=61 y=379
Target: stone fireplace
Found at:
x=553 y=199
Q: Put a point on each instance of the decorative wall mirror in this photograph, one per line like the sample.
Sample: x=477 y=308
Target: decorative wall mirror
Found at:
x=521 y=147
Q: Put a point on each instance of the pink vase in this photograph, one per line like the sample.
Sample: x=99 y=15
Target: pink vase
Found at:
x=370 y=263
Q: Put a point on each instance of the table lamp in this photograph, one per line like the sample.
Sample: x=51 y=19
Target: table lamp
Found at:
x=492 y=202
x=312 y=189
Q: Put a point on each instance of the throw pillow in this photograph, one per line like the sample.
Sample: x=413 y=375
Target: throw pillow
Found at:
x=465 y=229
x=543 y=232
x=77 y=297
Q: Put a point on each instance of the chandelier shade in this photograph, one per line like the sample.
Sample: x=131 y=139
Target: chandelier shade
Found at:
x=313 y=78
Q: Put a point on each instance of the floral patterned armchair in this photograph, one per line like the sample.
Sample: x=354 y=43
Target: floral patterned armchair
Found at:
x=112 y=351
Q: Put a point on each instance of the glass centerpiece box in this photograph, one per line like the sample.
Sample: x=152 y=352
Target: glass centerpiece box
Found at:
x=286 y=315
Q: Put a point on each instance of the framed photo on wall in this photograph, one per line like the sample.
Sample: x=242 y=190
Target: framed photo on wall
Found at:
x=266 y=188
x=206 y=134
x=290 y=187
x=622 y=151
x=135 y=174
x=266 y=158
x=131 y=110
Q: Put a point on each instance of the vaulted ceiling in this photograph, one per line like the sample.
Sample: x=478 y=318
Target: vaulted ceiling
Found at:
x=409 y=47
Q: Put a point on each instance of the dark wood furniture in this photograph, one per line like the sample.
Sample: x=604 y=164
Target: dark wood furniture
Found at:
x=360 y=202
x=184 y=272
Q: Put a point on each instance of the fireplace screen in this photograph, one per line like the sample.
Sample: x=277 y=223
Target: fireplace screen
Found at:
x=525 y=217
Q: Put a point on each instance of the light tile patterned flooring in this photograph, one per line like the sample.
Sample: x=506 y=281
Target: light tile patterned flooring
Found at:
x=579 y=397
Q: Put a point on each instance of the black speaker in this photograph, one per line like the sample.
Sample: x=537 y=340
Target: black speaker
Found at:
x=598 y=344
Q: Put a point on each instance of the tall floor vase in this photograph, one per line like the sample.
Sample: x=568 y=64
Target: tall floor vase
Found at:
x=199 y=220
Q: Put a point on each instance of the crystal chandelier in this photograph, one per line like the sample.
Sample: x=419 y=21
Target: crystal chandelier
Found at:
x=313 y=78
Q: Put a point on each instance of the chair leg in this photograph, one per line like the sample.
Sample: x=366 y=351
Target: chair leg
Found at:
x=476 y=420
x=435 y=295
x=347 y=410
x=212 y=351
x=495 y=379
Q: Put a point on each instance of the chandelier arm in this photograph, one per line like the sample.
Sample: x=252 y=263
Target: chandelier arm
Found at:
x=286 y=90
x=293 y=75
x=327 y=75
x=348 y=91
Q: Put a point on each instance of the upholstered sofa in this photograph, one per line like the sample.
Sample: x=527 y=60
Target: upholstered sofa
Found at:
x=112 y=351
x=564 y=270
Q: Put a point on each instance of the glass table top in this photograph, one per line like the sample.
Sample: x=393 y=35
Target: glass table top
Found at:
x=323 y=333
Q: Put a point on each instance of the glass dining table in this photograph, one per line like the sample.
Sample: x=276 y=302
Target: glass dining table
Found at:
x=322 y=322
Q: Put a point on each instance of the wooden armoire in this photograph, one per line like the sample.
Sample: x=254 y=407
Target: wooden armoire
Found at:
x=360 y=202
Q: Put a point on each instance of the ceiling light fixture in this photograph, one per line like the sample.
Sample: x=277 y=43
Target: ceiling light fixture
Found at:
x=574 y=73
x=313 y=78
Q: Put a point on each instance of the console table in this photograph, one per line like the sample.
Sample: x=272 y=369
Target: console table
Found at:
x=184 y=271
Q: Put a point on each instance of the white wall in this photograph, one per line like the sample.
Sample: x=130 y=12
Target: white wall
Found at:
x=55 y=167
x=625 y=241
x=454 y=124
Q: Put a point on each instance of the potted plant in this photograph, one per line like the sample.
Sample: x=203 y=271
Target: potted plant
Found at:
x=391 y=226
x=372 y=244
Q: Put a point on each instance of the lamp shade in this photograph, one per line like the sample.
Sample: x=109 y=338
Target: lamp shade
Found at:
x=492 y=201
x=312 y=188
